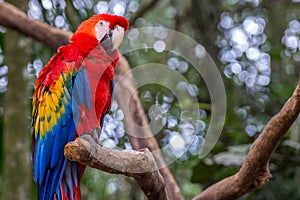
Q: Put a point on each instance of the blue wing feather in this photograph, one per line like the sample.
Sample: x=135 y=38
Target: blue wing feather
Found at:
x=80 y=93
x=36 y=165
x=53 y=107
x=86 y=90
x=46 y=147
x=82 y=88
x=50 y=160
x=112 y=86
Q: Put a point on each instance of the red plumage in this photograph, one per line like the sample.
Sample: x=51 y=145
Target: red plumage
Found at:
x=72 y=95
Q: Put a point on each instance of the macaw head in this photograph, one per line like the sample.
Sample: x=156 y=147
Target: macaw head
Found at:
x=106 y=29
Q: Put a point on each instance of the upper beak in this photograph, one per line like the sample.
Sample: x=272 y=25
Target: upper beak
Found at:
x=113 y=38
x=117 y=36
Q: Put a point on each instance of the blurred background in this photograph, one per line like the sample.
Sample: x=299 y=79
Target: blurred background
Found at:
x=255 y=45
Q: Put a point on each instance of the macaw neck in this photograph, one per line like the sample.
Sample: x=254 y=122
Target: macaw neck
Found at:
x=90 y=47
x=84 y=42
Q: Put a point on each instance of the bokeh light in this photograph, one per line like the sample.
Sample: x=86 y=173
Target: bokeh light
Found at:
x=241 y=50
x=3 y=73
x=291 y=40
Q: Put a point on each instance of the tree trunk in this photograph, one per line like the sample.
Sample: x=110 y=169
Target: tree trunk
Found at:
x=16 y=165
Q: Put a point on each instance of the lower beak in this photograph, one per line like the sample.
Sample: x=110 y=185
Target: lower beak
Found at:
x=106 y=41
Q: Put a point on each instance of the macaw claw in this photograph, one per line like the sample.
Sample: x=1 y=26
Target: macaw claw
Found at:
x=93 y=138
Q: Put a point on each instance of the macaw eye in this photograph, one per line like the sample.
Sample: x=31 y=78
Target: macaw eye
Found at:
x=101 y=28
x=102 y=24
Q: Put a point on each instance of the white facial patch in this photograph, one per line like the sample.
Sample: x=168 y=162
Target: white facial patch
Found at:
x=101 y=28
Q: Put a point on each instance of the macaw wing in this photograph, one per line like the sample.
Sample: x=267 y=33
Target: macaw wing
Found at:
x=53 y=122
x=112 y=86
x=81 y=93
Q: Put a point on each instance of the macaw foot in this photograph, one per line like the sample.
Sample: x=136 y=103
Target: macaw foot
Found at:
x=93 y=138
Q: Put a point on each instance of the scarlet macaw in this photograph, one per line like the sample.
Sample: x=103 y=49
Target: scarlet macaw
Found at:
x=72 y=95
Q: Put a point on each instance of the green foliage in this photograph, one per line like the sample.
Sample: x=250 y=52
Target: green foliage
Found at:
x=1 y=126
x=246 y=107
x=97 y=184
x=1 y=159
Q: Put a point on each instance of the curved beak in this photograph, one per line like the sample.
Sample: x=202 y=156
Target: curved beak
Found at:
x=113 y=39
x=117 y=36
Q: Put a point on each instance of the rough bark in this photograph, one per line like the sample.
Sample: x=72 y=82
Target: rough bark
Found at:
x=203 y=15
x=16 y=142
x=13 y=18
x=58 y=37
x=254 y=172
x=126 y=89
x=141 y=12
x=139 y=165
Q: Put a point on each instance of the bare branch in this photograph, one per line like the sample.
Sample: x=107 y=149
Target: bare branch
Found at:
x=127 y=90
x=254 y=172
x=141 y=12
x=13 y=18
x=139 y=165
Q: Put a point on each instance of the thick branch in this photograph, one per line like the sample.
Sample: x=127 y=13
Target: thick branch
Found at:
x=139 y=165
x=142 y=11
x=255 y=169
x=13 y=18
x=126 y=89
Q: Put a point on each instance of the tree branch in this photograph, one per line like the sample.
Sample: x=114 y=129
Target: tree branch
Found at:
x=12 y=17
x=126 y=89
x=142 y=11
x=254 y=172
x=139 y=165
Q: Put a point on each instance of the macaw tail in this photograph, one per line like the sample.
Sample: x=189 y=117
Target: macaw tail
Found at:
x=69 y=187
